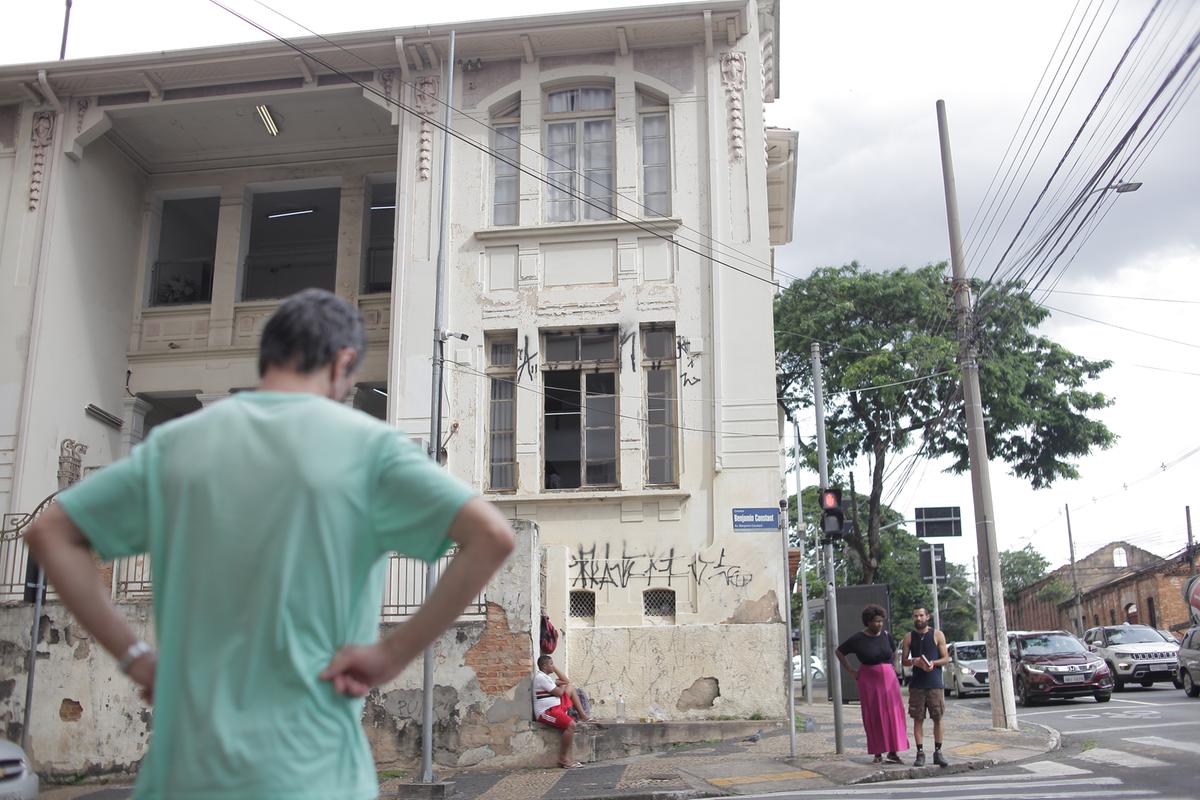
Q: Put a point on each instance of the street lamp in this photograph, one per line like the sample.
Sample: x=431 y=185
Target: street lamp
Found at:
x=1121 y=186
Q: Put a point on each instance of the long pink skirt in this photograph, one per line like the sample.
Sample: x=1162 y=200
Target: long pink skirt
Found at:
x=882 y=709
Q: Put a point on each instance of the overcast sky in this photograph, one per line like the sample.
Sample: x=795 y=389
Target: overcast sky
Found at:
x=859 y=81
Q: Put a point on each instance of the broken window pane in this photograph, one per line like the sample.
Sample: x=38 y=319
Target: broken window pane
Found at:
x=563 y=429
x=187 y=246
x=293 y=243
x=600 y=443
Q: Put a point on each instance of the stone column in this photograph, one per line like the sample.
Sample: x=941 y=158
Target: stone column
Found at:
x=351 y=231
x=233 y=239
x=133 y=431
x=207 y=399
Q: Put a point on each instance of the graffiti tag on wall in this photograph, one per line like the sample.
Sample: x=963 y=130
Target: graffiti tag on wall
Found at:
x=596 y=568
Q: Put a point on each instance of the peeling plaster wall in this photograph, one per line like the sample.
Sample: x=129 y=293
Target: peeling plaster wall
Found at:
x=88 y=720
x=662 y=667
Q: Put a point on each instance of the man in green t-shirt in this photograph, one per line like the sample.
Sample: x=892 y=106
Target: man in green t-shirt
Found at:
x=268 y=518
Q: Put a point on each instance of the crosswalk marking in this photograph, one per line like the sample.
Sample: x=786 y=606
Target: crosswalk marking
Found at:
x=974 y=788
x=1174 y=744
x=1053 y=769
x=1119 y=758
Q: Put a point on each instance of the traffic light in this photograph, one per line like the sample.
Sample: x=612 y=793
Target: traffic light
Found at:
x=832 y=516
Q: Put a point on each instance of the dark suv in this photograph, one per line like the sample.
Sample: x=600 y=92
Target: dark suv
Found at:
x=1052 y=664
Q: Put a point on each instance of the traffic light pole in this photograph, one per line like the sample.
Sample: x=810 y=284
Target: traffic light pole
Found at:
x=833 y=674
x=995 y=629
x=802 y=537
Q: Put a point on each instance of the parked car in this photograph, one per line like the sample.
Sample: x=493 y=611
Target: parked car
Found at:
x=814 y=666
x=1054 y=664
x=967 y=670
x=1169 y=636
x=18 y=781
x=1189 y=663
x=1135 y=654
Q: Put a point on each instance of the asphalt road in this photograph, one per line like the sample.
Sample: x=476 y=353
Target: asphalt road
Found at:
x=1145 y=743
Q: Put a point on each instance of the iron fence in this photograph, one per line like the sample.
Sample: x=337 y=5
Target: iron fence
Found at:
x=404 y=590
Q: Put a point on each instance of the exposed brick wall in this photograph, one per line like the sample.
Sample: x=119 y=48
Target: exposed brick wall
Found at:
x=1163 y=585
x=501 y=658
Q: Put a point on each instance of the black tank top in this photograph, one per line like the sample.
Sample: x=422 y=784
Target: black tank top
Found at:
x=925 y=644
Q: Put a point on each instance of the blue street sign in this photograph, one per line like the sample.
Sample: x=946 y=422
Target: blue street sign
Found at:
x=756 y=519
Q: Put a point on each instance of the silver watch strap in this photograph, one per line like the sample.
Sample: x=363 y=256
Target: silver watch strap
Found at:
x=135 y=651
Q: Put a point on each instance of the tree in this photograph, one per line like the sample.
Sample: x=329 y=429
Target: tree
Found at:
x=1019 y=569
x=891 y=382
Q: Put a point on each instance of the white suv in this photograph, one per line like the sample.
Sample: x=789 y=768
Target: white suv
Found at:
x=1135 y=654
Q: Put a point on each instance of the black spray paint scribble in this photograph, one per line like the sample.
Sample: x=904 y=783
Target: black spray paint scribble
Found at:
x=526 y=362
x=596 y=568
x=683 y=351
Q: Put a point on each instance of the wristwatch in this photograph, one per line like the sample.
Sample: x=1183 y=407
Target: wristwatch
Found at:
x=135 y=651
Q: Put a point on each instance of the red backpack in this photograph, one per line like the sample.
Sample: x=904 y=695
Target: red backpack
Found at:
x=549 y=635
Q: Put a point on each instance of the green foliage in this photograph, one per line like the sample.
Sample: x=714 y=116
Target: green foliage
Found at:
x=1054 y=591
x=891 y=327
x=1021 y=568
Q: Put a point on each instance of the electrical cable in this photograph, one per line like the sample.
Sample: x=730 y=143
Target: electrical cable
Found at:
x=1058 y=167
x=740 y=255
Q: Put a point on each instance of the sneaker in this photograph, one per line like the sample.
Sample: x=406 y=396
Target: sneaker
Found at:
x=892 y=758
x=940 y=759
x=919 y=761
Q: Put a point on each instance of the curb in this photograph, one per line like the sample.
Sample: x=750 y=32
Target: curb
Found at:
x=923 y=772
x=1055 y=734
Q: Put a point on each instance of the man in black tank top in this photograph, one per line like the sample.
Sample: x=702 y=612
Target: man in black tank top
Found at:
x=924 y=650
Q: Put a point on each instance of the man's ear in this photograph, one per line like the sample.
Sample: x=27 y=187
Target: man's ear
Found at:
x=344 y=362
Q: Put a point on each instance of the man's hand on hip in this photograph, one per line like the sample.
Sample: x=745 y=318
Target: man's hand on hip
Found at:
x=142 y=671
x=356 y=668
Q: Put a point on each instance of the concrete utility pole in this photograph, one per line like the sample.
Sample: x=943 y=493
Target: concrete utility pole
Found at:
x=790 y=683
x=995 y=630
x=435 y=404
x=833 y=674
x=802 y=572
x=978 y=607
x=1078 y=620
x=937 y=609
x=62 y=50
x=1187 y=512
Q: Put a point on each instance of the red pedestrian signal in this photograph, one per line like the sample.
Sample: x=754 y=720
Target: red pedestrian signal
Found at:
x=832 y=517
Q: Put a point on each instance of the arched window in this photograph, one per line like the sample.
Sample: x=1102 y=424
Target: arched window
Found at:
x=1120 y=559
x=506 y=144
x=580 y=154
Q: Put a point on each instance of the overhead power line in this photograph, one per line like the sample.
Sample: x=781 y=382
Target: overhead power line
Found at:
x=732 y=251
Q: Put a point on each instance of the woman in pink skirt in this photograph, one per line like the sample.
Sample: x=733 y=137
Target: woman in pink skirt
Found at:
x=878 y=688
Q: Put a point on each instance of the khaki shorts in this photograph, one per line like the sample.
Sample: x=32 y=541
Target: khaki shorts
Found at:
x=922 y=700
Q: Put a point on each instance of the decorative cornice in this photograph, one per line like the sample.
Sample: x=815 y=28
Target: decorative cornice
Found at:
x=577 y=229
x=733 y=77
x=41 y=137
x=426 y=91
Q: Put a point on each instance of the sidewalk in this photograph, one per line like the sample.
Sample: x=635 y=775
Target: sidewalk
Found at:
x=754 y=765
x=762 y=765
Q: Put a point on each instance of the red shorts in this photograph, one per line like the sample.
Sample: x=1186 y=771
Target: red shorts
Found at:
x=557 y=715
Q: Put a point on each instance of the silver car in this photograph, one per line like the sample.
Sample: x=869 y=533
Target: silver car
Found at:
x=1189 y=663
x=967 y=670
x=18 y=781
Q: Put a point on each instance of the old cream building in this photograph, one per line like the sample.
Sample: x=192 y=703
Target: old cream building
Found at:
x=616 y=197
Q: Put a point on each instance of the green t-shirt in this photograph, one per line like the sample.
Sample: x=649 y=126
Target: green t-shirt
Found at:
x=268 y=518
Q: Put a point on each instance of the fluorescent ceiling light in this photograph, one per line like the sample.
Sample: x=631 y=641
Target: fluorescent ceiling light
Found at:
x=297 y=213
x=379 y=391
x=268 y=121
x=382 y=208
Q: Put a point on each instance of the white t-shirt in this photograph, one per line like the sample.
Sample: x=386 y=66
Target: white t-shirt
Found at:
x=544 y=683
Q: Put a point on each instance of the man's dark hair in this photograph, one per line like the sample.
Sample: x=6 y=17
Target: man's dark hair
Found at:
x=542 y=660
x=871 y=612
x=920 y=608
x=307 y=330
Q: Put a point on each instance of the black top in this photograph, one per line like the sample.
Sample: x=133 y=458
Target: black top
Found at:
x=870 y=649
x=925 y=644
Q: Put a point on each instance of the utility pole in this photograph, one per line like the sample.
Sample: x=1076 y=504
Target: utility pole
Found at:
x=995 y=629
x=62 y=50
x=937 y=610
x=435 y=405
x=802 y=537
x=1078 y=620
x=787 y=609
x=1191 y=553
x=833 y=675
